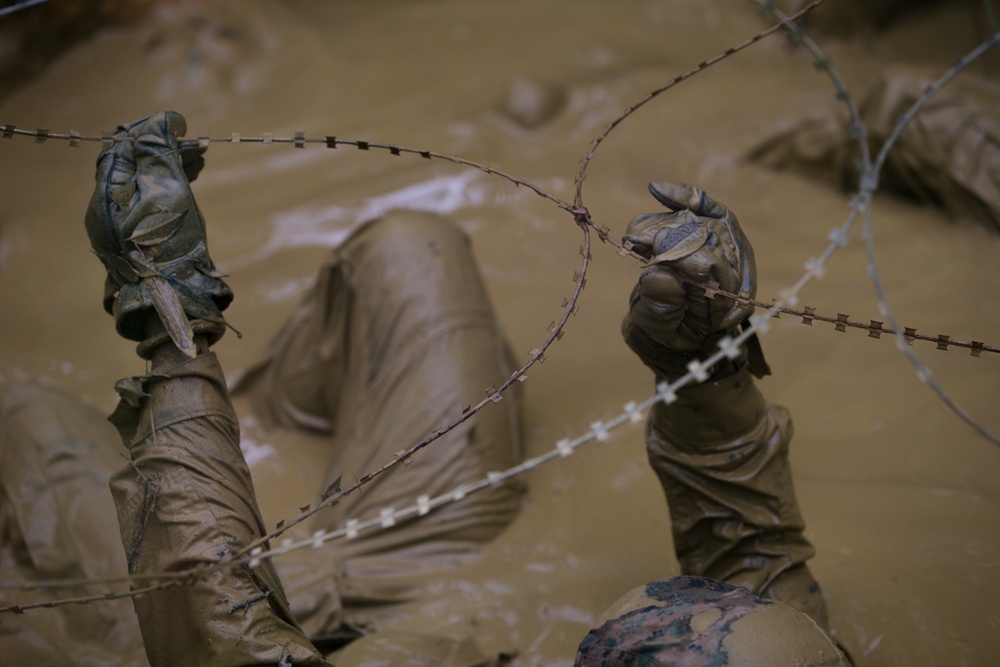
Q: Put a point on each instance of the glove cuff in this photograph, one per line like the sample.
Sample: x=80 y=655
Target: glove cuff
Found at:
x=202 y=296
x=213 y=331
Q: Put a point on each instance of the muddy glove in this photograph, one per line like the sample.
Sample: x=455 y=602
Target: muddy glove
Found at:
x=671 y=320
x=146 y=228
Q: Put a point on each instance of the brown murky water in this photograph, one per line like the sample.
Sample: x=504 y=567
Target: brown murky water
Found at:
x=902 y=499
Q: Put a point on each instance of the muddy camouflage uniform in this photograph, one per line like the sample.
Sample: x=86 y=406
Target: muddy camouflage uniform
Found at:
x=397 y=333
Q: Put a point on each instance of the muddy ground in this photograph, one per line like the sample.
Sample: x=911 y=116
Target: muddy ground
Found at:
x=901 y=498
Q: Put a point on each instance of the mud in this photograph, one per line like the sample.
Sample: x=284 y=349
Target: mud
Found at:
x=902 y=500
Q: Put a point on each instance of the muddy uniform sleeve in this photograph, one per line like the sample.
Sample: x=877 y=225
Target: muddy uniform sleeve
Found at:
x=720 y=451
x=721 y=454
x=186 y=499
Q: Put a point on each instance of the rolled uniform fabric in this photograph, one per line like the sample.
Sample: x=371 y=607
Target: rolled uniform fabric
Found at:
x=186 y=499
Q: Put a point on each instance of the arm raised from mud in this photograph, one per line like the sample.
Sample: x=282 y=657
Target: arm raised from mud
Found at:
x=186 y=497
x=720 y=450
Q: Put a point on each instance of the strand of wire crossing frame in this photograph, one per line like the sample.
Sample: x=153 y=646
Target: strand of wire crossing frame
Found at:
x=867 y=186
x=299 y=140
x=842 y=322
x=875 y=328
x=698 y=370
x=19 y=6
x=703 y=65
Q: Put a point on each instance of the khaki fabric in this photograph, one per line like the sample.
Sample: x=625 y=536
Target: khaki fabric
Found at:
x=397 y=337
x=185 y=499
x=57 y=522
x=721 y=455
x=948 y=156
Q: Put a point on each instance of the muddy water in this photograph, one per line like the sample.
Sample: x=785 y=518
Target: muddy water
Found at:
x=902 y=499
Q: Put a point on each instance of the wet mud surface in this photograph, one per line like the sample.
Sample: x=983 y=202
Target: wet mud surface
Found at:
x=902 y=500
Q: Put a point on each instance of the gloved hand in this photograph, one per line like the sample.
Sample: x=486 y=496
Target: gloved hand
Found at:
x=671 y=321
x=146 y=228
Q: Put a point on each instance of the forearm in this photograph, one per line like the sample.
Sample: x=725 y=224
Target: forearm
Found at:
x=187 y=499
x=711 y=412
x=721 y=454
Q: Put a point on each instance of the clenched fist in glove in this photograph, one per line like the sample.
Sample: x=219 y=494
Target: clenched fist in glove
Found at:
x=671 y=320
x=146 y=228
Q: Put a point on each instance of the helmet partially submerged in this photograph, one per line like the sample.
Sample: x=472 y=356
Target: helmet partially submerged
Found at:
x=700 y=622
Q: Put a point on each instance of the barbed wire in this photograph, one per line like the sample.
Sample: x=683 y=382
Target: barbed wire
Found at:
x=703 y=65
x=666 y=392
x=19 y=6
x=885 y=310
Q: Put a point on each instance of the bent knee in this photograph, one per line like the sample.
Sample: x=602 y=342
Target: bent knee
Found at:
x=406 y=228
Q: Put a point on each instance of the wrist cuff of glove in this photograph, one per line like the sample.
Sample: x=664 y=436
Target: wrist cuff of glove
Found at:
x=203 y=297
x=212 y=331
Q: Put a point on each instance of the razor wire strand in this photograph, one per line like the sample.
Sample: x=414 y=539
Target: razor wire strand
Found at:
x=885 y=310
x=867 y=185
x=666 y=393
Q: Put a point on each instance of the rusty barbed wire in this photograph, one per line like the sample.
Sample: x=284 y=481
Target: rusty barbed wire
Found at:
x=581 y=174
x=666 y=393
